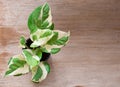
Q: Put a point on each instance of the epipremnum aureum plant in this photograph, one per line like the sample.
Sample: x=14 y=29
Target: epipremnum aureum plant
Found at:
x=43 y=40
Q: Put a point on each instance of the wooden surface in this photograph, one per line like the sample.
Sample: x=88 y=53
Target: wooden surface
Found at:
x=92 y=57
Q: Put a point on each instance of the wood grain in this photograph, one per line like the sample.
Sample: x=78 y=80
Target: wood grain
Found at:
x=92 y=57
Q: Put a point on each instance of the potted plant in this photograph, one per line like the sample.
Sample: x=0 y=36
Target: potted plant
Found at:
x=43 y=42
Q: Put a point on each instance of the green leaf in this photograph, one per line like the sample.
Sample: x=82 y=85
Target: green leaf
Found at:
x=40 y=72
x=55 y=50
x=33 y=19
x=37 y=75
x=58 y=40
x=19 y=62
x=17 y=65
x=40 y=18
x=61 y=41
x=45 y=17
x=22 y=42
x=31 y=59
x=42 y=37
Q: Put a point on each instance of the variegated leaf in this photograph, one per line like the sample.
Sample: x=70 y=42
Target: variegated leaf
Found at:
x=41 y=37
x=17 y=66
x=40 y=18
x=58 y=40
x=40 y=72
x=32 y=57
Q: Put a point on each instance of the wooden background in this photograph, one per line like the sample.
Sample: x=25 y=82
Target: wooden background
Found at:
x=92 y=57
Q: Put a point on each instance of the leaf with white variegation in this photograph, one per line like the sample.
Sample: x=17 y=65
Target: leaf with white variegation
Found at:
x=41 y=37
x=40 y=72
x=40 y=18
x=17 y=66
x=32 y=57
x=58 y=40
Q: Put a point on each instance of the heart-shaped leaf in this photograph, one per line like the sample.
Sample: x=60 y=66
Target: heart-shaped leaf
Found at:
x=40 y=18
x=17 y=66
x=58 y=40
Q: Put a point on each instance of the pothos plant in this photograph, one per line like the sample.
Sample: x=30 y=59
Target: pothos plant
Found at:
x=43 y=41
